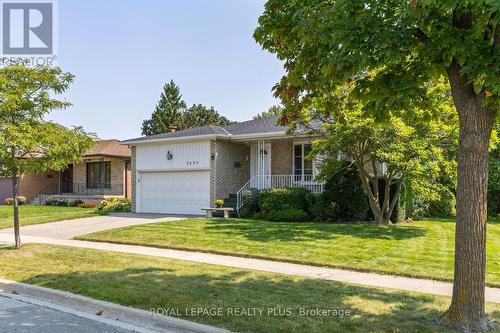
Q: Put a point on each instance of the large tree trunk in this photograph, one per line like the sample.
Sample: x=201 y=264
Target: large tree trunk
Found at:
x=15 y=204
x=467 y=309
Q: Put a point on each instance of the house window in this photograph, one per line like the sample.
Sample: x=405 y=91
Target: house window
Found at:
x=99 y=174
x=302 y=167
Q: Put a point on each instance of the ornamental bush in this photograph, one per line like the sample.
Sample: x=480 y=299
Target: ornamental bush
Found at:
x=282 y=199
x=115 y=205
x=316 y=206
x=250 y=200
x=345 y=199
x=21 y=200
x=56 y=202
x=288 y=215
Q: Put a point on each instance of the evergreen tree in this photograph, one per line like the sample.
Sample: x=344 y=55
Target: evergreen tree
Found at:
x=167 y=111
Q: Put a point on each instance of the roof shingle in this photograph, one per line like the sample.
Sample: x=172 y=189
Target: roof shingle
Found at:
x=109 y=148
x=256 y=126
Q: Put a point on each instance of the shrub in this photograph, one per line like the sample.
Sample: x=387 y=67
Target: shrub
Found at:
x=56 y=202
x=316 y=206
x=443 y=207
x=88 y=205
x=250 y=200
x=282 y=199
x=344 y=196
x=75 y=203
x=21 y=200
x=288 y=215
x=115 y=205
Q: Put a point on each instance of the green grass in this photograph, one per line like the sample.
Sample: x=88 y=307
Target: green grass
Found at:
x=151 y=282
x=29 y=214
x=420 y=249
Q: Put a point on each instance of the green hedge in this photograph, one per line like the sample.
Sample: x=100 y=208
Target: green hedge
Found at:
x=282 y=199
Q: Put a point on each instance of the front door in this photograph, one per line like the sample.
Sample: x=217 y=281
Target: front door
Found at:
x=66 y=179
x=260 y=166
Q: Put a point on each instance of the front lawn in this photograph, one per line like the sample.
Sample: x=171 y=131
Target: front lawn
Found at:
x=419 y=249
x=151 y=282
x=29 y=214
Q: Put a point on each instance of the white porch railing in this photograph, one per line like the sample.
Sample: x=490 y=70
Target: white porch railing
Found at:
x=279 y=181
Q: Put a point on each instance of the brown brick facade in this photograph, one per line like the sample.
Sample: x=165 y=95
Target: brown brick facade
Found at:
x=232 y=167
x=31 y=185
x=118 y=175
x=281 y=157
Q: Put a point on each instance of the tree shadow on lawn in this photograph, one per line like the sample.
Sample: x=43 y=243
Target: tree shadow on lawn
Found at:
x=371 y=310
x=264 y=231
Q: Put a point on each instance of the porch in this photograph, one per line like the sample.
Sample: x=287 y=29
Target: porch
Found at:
x=261 y=164
x=92 y=180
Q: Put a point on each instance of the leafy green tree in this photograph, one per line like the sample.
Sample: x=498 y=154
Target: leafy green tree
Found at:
x=400 y=150
x=28 y=143
x=392 y=49
x=166 y=112
x=273 y=111
x=199 y=115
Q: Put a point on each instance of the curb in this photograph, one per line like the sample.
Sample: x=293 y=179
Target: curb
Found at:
x=113 y=314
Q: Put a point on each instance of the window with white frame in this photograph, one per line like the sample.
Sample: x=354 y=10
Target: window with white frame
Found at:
x=302 y=167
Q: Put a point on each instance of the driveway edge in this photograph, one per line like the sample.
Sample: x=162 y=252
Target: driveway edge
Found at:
x=113 y=314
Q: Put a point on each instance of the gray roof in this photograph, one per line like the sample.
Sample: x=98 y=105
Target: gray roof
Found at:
x=256 y=126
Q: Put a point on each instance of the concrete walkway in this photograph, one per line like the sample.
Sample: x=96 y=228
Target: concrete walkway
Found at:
x=69 y=229
x=367 y=279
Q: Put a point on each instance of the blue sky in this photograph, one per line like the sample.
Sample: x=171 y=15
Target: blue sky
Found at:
x=122 y=52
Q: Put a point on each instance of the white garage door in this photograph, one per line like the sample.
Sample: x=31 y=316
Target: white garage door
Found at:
x=173 y=192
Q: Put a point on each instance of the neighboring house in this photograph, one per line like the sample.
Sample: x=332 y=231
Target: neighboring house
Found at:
x=181 y=172
x=104 y=172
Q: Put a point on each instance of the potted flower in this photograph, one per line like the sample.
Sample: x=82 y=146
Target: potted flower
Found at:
x=219 y=203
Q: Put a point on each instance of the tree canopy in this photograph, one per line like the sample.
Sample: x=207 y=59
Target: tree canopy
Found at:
x=171 y=112
x=273 y=111
x=28 y=143
x=411 y=151
x=199 y=115
x=392 y=50
x=166 y=112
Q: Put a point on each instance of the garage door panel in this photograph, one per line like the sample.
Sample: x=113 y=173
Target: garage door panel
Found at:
x=174 y=192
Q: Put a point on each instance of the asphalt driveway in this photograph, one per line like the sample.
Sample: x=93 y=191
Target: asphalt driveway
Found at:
x=69 y=229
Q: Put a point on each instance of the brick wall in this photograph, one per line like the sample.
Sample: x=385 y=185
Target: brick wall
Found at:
x=31 y=185
x=228 y=178
x=117 y=175
x=281 y=157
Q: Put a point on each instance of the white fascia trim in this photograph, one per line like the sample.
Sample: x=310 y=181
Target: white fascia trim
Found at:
x=208 y=137
x=260 y=135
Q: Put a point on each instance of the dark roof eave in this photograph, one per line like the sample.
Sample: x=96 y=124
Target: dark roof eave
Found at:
x=108 y=155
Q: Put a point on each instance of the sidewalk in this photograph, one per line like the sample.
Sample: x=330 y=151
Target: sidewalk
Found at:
x=367 y=279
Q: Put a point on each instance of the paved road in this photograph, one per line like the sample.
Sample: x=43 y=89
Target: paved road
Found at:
x=69 y=229
x=20 y=317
